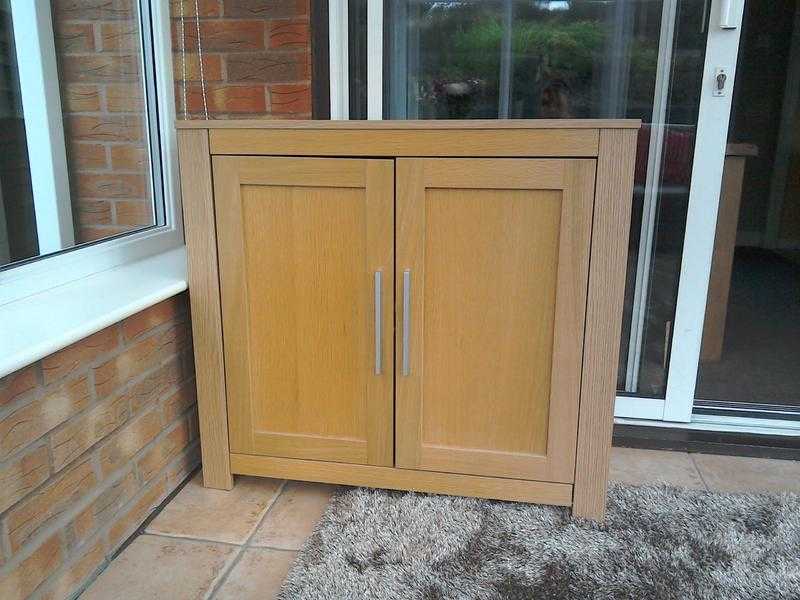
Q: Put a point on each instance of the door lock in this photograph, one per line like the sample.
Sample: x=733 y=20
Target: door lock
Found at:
x=720 y=80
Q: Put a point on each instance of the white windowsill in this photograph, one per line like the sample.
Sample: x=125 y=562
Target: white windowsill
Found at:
x=36 y=326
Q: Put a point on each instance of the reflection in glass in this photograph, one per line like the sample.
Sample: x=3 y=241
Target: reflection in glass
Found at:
x=18 y=239
x=574 y=59
x=76 y=130
x=490 y=59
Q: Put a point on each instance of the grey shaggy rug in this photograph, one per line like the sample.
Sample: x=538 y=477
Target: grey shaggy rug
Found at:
x=657 y=543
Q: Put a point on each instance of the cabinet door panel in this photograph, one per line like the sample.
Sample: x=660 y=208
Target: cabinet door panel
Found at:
x=497 y=255
x=300 y=240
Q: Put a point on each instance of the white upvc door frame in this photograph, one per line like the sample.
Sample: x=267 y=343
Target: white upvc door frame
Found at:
x=339 y=59
x=722 y=49
x=44 y=128
x=375 y=60
x=34 y=277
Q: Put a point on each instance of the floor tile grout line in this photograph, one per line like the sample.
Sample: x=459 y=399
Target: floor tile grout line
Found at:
x=184 y=538
x=272 y=548
x=248 y=541
x=699 y=471
x=223 y=576
x=267 y=510
x=214 y=590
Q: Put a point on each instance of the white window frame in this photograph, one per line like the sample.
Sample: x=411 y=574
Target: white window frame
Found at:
x=51 y=302
x=44 y=128
x=37 y=276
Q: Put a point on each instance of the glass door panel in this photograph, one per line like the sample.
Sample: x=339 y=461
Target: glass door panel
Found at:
x=574 y=59
x=750 y=351
x=520 y=59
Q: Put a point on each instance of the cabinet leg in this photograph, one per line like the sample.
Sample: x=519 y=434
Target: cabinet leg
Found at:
x=215 y=459
x=590 y=503
x=217 y=480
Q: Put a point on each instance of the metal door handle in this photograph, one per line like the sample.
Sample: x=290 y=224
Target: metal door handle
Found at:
x=406 y=319
x=378 y=324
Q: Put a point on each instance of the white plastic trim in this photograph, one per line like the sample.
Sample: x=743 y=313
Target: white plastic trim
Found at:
x=44 y=127
x=375 y=59
x=637 y=407
x=701 y=221
x=723 y=424
x=39 y=325
x=37 y=276
x=338 y=59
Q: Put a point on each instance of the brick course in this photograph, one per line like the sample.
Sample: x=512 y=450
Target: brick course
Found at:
x=256 y=63
x=92 y=438
x=256 y=59
x=97 y=47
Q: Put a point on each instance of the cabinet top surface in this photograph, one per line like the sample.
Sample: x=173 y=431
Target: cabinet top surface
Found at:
x=407 y=125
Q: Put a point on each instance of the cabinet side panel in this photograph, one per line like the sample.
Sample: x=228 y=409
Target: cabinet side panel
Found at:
x=198 y=223
x=610 y=228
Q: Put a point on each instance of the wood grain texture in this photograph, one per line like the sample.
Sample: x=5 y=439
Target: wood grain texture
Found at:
x=380 y=257
x=282 y=218
x=204 y=297
x=559 y=494
x=300 y=240
x=610 y=229
x=719 y=285
x=402 y=142
x=412 y=124
x=498 y=291
x=409 y=255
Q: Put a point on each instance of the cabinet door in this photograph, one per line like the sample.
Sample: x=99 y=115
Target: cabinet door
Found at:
x=305 y=317
x=492 y=267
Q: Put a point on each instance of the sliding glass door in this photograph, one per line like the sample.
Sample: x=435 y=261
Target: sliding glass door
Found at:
x=639 y=59
x=670 y=63
x=750 y=352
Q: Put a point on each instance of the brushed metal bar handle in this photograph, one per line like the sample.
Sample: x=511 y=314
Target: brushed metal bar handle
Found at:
x=406 y=319
x=378 y=324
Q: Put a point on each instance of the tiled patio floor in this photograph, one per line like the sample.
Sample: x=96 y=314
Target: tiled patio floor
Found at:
x=240 y=544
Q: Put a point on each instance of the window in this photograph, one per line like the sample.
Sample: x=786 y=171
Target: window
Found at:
x=87 y=179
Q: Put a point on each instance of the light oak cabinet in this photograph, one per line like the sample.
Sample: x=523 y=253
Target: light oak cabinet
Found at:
x=426 y=306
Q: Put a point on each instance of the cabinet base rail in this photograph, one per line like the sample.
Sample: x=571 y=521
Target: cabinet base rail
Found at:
x=454 y=484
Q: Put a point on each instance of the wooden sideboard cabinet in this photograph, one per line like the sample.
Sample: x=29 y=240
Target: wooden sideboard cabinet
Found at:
x=431 y=306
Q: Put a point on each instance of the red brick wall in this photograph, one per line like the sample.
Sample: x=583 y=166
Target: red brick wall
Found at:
x=102 y=102
x=92 y=438
x=256 y=58
x=256 y=64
